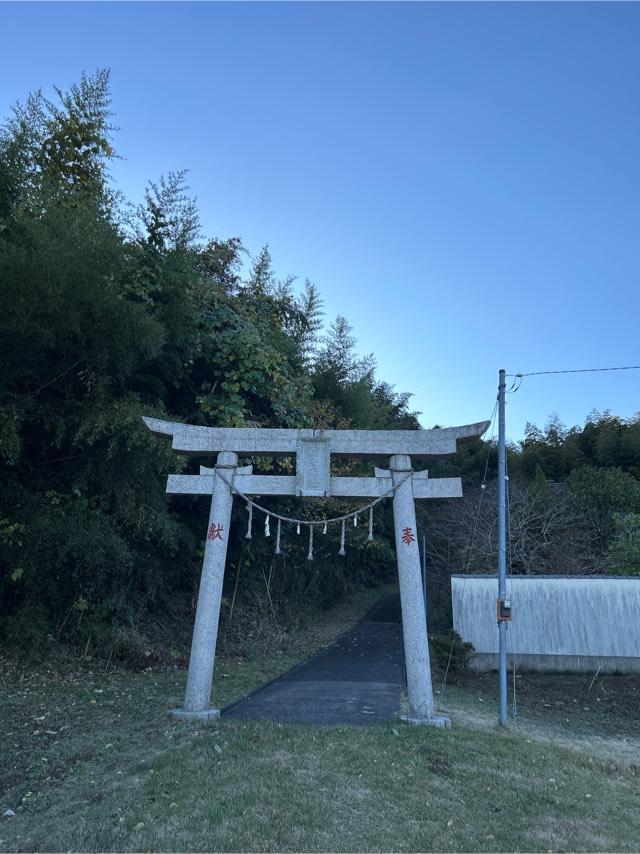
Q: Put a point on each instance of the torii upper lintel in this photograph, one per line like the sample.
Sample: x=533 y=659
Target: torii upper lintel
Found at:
x=256 y=441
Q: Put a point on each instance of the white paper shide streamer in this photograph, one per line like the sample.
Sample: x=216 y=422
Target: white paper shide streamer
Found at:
x=278 y=536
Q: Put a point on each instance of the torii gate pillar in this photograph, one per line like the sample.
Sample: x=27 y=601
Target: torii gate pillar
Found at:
x=197 y=696
x=414 y=621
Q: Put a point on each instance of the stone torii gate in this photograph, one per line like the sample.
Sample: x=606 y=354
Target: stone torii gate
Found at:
x=313 y=450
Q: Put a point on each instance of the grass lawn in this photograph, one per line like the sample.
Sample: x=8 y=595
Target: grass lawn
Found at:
x=90 y=761
x=600 y=716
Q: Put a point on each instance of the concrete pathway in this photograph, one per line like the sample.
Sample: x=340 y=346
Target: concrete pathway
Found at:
x=357 y=680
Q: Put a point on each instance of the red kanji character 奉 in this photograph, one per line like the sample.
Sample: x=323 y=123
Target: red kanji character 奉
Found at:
x=407 y=536
x=215 y=531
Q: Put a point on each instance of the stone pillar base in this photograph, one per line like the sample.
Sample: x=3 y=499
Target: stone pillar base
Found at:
x=207 y=716
x=438 y=721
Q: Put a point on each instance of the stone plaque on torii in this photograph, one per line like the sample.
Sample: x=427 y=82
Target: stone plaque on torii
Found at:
x=313 y=450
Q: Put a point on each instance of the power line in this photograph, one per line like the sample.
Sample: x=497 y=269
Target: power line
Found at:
x=575 y=371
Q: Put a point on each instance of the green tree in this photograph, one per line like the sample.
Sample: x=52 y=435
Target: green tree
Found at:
x=600 y=493
x=75 y=457
x=57 y=151
x=113 y=312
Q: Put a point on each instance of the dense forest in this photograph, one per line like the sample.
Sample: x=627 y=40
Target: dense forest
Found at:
x=114 y=310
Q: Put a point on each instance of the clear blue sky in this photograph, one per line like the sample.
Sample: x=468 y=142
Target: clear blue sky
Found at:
x=460 y=180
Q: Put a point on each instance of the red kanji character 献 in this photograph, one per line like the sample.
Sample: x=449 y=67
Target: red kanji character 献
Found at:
x=215 y=531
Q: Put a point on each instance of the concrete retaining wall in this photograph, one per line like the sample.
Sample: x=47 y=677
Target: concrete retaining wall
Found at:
x=559 y=622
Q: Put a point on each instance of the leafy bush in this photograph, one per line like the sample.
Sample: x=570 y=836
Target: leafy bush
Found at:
x=449 y=650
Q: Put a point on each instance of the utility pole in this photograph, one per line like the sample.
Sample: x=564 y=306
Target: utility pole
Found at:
x=504 y=606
